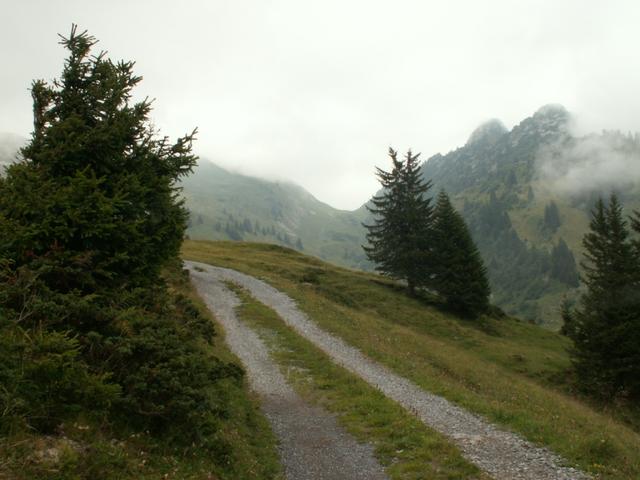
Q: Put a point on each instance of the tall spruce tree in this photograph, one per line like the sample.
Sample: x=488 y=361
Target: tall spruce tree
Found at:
x=460 y=274
x=399 y=239
x=87 y=220
x=606 y=327
x=97 y=190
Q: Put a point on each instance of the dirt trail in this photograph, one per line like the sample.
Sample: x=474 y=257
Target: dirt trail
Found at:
x=312 y=445
x=504 y=455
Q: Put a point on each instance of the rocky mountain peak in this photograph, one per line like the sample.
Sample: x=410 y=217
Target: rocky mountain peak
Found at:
x=552 y=113
x=548 y=123
x=488 y=132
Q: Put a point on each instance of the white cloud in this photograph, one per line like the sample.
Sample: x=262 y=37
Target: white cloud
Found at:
x=317 y=91
x=592 y=163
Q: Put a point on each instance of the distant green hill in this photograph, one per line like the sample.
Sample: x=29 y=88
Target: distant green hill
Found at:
x=230 y=206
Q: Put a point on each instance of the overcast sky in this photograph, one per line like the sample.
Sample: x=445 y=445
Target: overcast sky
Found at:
x=316 y=91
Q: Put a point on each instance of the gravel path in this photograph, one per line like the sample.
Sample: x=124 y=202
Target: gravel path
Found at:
x=504 y=455
x=312 y=445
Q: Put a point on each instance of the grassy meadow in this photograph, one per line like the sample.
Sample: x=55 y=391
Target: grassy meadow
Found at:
x=511 y=372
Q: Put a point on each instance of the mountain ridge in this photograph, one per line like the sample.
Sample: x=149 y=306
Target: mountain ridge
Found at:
x=504 y=182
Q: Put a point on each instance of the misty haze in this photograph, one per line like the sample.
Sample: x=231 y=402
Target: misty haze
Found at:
x=320 y=240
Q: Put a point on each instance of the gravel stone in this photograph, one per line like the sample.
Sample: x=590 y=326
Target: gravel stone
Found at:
x=312 y=445
x=504 y=455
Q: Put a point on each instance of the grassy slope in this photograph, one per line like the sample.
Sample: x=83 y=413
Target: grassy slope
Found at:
x=86 y=450
x=506 y=370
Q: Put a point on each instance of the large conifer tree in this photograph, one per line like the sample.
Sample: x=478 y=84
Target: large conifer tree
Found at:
x=399 y=238
x=460 y=275
x=96 y=194
x=606 y=327
x=88 y=219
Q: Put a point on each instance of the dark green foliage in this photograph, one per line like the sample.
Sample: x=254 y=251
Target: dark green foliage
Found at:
x=232 y=231
x=606 y=331
x=399 y=237
x=635 y=225
x=88 y=220
x=568 y=320
x=95 y=181
x=460 y=275
x=160 y=360
x=44 y=380
x=563 y=264
x=551 y=217
x=517 y=272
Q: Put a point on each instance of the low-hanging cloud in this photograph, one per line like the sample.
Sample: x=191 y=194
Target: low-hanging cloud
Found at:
x=605 y=162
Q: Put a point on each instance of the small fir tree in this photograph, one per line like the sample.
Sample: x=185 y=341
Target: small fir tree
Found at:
x=563 y=264
x=460 y=275
x=551 y=217
x=399 y=238
x=606 y=331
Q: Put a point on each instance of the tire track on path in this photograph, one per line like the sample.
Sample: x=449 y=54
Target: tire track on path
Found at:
x=312 y=445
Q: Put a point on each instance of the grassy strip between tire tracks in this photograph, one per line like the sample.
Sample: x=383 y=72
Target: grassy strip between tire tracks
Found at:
x=408 y=449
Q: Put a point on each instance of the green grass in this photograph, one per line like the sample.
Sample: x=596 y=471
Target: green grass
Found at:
x=84 y=449
x=408 y=449
x=511 y=372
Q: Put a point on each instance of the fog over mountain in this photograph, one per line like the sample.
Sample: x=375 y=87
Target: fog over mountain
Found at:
x=316 y=92
x=610 y=161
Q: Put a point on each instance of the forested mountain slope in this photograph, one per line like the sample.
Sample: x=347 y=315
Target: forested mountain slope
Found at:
x=526 y=195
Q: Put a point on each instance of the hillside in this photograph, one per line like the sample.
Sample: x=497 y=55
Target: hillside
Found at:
x=527 y=194
x=230 y=206
x=508 y=371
